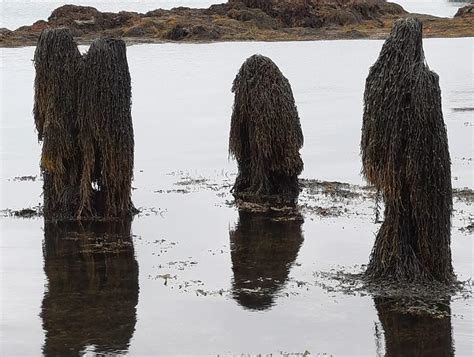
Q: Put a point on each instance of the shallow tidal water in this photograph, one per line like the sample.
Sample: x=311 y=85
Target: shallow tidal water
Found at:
x=191 y=275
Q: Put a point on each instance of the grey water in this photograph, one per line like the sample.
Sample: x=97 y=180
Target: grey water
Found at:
x=16 y=13
x=190 y=275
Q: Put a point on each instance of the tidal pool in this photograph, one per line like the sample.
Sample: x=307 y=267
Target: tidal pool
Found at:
x=191 y=275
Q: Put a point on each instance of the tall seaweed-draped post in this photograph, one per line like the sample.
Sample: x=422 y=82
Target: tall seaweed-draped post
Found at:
x=106 y=131
x=265 y=134
x=57 y=63
x=405 y=155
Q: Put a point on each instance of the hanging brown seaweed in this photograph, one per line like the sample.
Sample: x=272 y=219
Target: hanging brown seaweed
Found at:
x=405 y=155
x=82 y=113
x=106 y=131
x=57 y=62
x=265 y=134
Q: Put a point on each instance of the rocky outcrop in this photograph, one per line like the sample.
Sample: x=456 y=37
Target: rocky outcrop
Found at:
x=89 y=19
x=265 y=20
x=4 y=32
x=466 y=11
x=317 y=13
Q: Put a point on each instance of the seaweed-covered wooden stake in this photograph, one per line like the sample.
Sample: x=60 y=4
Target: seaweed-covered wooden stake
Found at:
x=106 y=131
x=405 y=155
x=82 y=113
x=57 y=62
x=265 y=134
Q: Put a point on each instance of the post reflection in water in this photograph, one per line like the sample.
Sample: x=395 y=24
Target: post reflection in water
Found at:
x=414 y=334
x=263 y=250
x=90 y=302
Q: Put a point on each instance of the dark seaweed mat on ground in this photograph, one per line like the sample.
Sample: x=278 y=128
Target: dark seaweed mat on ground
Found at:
x=339 y=197
x=29 y=212
x=419 y=298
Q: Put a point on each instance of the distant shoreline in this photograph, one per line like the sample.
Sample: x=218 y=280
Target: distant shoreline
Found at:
x=233 y=21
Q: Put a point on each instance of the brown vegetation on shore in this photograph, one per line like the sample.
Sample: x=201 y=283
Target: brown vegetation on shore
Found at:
x=241 y=20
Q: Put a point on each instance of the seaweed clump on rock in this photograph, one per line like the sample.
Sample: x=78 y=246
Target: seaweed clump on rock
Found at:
x=82 y=112
x=405 y=155
x=58 y=63
x=265 y=135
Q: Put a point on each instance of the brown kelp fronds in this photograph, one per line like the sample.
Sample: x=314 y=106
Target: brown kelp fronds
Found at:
x=263 y=250
x=265 y=134
x=106 y=131
x=405 y=155
x=92 y=289
x=57 y=62
x=82 y=113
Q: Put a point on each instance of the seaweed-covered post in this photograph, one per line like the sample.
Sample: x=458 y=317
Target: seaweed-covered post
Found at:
x=57 y=63
x=265 y=134
x=405 y=155
x=106 y=131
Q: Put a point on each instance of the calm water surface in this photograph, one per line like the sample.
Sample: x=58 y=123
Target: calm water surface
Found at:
x=442 y=8
x=16 y=13
x=197 y=277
